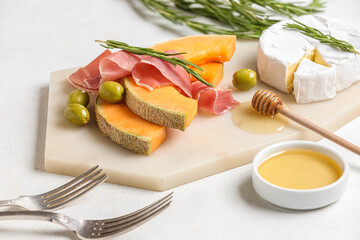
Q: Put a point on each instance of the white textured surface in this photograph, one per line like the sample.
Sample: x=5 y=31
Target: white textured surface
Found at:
x=38 y=37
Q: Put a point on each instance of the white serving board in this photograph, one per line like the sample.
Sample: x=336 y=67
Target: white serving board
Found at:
x=212 y=144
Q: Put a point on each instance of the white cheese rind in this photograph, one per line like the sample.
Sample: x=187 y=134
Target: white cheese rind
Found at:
x=277 y=68
x=281 y=50
x=348 y=65
x=276 y=54
x=314 y=82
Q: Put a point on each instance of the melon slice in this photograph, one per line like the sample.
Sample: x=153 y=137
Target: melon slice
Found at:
x=164 y=106
x=127 y=129
x=203 y=48
x=212 y=72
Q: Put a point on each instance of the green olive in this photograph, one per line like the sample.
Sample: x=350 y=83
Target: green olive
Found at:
x=111 y=92
x=78 y=96
x=77 y=114
x=244 y=79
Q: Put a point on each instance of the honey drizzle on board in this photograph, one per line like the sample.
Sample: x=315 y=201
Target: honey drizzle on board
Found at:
x=246 y=118
x=300 y=169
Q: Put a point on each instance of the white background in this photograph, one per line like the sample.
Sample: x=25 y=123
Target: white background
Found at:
x=38 y=37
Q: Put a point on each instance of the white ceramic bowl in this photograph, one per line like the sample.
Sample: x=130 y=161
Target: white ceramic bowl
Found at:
x=294 y=198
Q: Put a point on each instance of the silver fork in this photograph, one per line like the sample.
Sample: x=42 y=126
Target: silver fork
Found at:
x=62 y=195
x=95 y=229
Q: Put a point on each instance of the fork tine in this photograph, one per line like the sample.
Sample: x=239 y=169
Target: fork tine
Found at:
x=46 y=194
x=111 y=225
x=76 y=194
x=135 y=222
x=70 y=188
x=158 y=202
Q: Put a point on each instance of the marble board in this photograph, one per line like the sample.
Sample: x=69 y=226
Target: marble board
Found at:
x=211 y=144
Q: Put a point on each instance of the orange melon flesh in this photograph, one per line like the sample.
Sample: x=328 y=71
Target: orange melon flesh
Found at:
x=212 y=72
x=203 y=48
x=139 y=135
x=163 y=106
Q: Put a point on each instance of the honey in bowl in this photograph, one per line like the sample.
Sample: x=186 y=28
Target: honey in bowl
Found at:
x=300 y=169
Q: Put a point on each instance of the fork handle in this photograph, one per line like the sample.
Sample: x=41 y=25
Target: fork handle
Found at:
x=11 y=202
x=38 y=215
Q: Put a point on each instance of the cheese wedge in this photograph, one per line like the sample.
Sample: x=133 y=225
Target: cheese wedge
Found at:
x=314 y=82
x=280 y=52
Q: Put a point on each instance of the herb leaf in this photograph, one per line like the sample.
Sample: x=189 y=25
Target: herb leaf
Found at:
x=323 y=38
x=177 y=16
x=290 y=9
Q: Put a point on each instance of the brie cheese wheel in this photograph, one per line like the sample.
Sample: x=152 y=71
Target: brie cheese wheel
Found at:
x=314 y=82
x=280 y=52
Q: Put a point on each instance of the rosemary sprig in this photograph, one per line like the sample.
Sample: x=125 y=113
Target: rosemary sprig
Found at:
x=166 y=10
x=244 y=18
x=290 y=9
x=111 y=44
x=323 y=38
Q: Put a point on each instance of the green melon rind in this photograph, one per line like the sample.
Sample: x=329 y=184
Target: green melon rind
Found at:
x=135 y=143
x=152 y=113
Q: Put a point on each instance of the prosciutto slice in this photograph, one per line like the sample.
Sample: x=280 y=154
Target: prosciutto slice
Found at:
x=88 y=77
x=150 y=72
x=212 y=100
x=118 y=65
x=153 y=73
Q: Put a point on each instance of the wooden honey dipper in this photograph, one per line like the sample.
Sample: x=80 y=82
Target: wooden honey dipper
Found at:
x=269 y=103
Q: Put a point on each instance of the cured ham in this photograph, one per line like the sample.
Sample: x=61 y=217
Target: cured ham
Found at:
x=88 y=77
x=153 y=73
x=118 y=65
x=150 y=72
x=212 y=100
